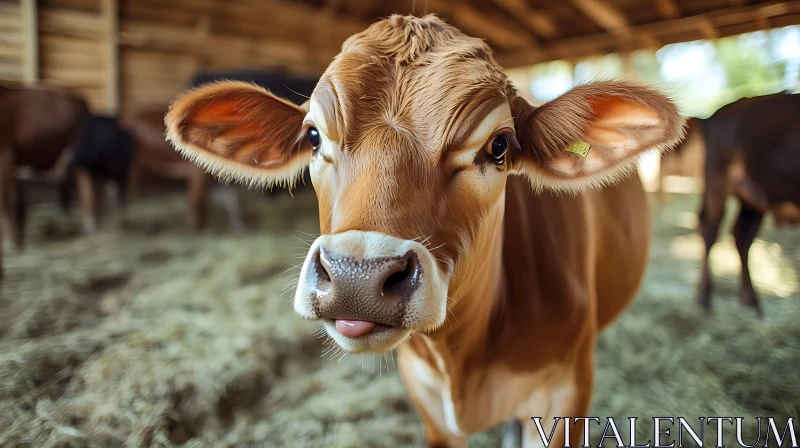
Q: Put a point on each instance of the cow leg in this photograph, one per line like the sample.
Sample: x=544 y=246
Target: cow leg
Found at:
x=87 y=198
x=65 y=192
x=744 y=232
x=421 y=383
x=567 y=401
x=512 y=434
x=713 y=209
x=197 y=188
x=8 y=197
x=131 y=191
x=661 y=195
x=20 y=215
x=233 y=207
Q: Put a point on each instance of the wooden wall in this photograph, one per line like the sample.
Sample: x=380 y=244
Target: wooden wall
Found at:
x=126 y=55
x=12 y=38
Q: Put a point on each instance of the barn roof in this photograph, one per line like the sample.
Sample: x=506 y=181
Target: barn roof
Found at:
x=522 y=32
x=131 y=54
x=525 y=32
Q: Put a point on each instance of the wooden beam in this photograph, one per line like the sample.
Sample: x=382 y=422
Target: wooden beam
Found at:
x=110 y=18
x=538 y=22
x=202 y=32
x=668 y=9
x=254 y=51
x=499 y=31
x=604 y=14
x=707 y=28
x=727 y=22
x=30 y=29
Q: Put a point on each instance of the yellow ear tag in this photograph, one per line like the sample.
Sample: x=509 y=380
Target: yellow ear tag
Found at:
x=580 y=148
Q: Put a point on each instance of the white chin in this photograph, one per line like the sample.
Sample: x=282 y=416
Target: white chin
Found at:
x=382 y=340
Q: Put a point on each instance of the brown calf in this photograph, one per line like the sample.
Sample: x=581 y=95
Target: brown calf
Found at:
x=752 y=151
x=422 y=156
x=37 y=125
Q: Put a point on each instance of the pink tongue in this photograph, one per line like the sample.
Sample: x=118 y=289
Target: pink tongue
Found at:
x=354 y=328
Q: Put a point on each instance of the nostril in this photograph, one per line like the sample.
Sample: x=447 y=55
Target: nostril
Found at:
x=404 y=278
x=321 y=266
x=398 y=277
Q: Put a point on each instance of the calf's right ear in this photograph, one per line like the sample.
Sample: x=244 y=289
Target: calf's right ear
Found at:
x=240 y=132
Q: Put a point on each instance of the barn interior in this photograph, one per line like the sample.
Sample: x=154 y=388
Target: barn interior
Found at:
x=148 y=333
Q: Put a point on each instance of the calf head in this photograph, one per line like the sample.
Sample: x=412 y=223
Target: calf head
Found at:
x=410 y=136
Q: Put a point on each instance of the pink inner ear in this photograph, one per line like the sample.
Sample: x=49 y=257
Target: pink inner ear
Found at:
x=619 y=129
x=617 y=123
x=248 y=127
x=213 y=112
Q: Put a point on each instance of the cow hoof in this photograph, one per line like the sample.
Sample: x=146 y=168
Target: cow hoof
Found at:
x=195 y=228
x=750 y=300
x=239 y=229
x=89 y=228
x=705 y=305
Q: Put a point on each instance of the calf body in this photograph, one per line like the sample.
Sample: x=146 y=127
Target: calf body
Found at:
x=752 y=151
x=521 y=341
x=422 y=156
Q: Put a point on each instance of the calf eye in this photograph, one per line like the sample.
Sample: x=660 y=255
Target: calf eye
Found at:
x=314 y=138
x=497 y=147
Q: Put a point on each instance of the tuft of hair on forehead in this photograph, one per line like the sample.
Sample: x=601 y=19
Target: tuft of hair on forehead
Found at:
x=417 y=75
x=408 y=39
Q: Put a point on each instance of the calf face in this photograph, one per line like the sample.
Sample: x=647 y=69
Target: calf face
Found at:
x=410 y=136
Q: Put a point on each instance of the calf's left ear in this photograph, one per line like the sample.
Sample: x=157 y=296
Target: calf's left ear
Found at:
x=592 y=135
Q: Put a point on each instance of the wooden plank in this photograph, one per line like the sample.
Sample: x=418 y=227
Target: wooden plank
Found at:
x=164 y=13
x=64 y=61
x=10 y=71
x=604 y=14
x=12 y=52
x=668 y=9
x=483 y=24
x=707 y=28
x=51 y=44
x=75 y=76
x=10 y=9
x=144 y=35
x=10 y=23
x=538 y=22
x=71 y=23
x=30 y=63
x=730 y=21
x=110 y=19
x=90 y=6
x=11 y=39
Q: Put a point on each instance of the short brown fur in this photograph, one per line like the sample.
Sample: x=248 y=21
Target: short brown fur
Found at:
x=534 y=278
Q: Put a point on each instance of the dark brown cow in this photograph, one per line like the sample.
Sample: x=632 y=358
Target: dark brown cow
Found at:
x=422 y=155
x=122 y=151
x=37 y=125
x=752 y=151
x=685 y=160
